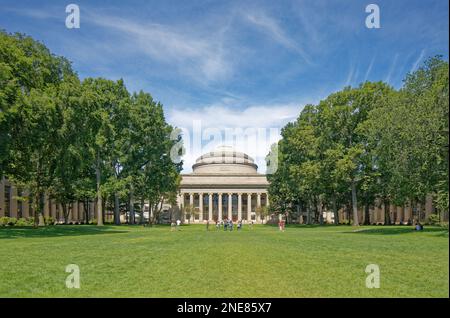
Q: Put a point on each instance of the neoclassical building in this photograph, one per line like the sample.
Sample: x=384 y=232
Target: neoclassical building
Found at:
x=224 y=184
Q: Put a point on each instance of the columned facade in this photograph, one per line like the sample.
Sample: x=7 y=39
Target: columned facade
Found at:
x=229 y=211
x=230 y=182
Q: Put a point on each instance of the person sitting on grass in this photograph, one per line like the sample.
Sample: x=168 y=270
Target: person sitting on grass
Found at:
x=225 y=225
x=239 y=226
x=217 y=225
x=231 y=225
x=419 y=227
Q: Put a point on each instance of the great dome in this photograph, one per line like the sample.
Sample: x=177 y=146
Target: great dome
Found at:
x=225 y=160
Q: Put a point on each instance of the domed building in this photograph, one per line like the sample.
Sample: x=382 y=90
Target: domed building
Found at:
x=224 y=184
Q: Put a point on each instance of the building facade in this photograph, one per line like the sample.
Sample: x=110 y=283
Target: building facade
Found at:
x=224 y=184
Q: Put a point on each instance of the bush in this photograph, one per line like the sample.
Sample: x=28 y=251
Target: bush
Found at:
x=22 y=222
x=433 y=219
x=49 y=220
x=30 y=221
x=93 y=221
x=12 y=221
x=4 y=221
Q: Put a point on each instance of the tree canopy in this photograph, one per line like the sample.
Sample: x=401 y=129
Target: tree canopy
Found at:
x=367 y=143
x=75 y=140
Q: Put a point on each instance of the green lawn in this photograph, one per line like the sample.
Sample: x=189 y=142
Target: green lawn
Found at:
x=133 y=261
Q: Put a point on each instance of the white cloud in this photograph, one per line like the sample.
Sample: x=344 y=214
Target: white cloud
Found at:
x=251 y=130
x=201 y=58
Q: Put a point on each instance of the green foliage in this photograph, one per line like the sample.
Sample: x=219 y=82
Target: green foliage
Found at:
x=22 y=222
x=367 y=143
x=433 y=219
x=79 y=140
x=49 y=220
x=12 y=221
x=4 y=220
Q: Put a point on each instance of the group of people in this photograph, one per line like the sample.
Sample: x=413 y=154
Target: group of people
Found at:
x=227 y=225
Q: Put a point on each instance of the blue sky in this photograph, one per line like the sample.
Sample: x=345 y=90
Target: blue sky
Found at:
x=237 y=64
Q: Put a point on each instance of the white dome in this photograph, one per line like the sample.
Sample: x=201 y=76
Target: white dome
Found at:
x=225 y=159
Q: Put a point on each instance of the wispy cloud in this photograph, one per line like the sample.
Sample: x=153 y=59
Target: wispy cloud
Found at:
x=369 y=69
x=201 y=58
x=417 y=61
x=272 y=28
x=391 y=69
x=350 y=75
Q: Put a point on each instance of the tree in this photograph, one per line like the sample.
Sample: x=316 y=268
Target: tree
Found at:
x=32 y=77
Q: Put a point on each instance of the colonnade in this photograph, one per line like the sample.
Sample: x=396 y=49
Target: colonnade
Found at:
x=217 y=205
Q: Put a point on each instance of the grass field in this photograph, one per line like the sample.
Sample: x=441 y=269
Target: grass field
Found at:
x=133 y=261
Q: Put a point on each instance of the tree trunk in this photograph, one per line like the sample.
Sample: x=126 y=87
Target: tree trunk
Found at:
x=308 y=212
x=354 y=204
x=319 y=208
x=387 y=213
x=132 y=217
x=99 y=197
x=116 y=209
x=104 y=209
x=367 y=214
x=142 y=220
x=335 y=211
x=150 y=210
x=65 y=213
x=86 y=211
x=41 y=209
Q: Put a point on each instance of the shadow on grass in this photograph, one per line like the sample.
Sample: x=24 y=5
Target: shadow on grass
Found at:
x=55 y=231
x=301 y=226
x=393 y=230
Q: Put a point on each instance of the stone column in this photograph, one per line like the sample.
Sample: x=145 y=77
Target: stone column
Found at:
x=220 y=206
x=75 y=215
x=400 y=215
x=46 y=206
x=14 y=201
x=200 y=204
x=230 y=205
x=210 y=216
x=191 y=205
x=54 y=210
x=258 y=205
x=180 y=200
x=26 y=205
x=240 y=206
x=249 y=206
x=407 y=213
